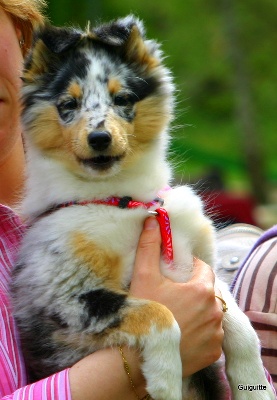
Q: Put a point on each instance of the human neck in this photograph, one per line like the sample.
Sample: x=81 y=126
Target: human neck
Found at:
x=12 y=175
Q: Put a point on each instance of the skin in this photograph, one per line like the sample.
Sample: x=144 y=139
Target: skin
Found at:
x=12 y=152
x=101 y=375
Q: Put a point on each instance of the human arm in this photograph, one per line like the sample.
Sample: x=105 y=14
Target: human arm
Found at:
x=98 y=376
x=103 y=374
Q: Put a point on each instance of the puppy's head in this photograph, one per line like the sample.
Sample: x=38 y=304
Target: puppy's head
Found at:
x=96 y=100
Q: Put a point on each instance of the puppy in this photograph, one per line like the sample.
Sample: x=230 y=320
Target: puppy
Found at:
x=96 y=111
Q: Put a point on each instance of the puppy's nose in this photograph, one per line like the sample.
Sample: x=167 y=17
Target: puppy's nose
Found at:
x=99 y=140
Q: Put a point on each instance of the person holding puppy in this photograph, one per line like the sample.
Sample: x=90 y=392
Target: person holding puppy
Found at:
x=100 y=375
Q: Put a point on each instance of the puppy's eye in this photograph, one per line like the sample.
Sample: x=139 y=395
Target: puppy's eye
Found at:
x=66 y=109
x=123 y=100
x=68 y=105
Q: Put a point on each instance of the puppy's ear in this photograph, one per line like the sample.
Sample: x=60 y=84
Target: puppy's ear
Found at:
x=140 y=51
x=48 y=44
x=114 y=33
x=58 y=40
x=127 y=34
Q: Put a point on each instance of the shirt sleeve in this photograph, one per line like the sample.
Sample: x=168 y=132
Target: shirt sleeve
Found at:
x=55 y=387
x=255 y=291
x=13 y=379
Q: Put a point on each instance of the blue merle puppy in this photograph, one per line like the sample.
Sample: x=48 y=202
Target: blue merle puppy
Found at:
x=96 y=112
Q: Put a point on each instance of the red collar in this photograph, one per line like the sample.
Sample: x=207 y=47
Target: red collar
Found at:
x=121 y=202
x=127 y=202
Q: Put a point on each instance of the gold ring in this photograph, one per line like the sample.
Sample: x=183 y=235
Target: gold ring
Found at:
x=224 y=305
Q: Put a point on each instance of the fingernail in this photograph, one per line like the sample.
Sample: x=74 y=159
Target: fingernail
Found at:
x=151 y=223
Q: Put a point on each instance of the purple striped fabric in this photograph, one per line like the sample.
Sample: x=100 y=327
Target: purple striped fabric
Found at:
x=13 y=377
x=255 y=288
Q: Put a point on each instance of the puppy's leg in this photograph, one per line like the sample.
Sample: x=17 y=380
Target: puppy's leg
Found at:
x=146 y=325
x=153 y=328
x=241 y=346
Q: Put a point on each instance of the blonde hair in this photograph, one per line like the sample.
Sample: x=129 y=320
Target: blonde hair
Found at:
x=26 y=14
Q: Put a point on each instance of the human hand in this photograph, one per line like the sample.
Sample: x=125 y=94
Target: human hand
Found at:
x=193 y=303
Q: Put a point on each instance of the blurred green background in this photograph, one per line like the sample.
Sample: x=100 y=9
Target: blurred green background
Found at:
x=223 y=55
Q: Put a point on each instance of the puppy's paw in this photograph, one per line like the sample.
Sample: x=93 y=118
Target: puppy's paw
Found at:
x=160 y=389
x=162 y=365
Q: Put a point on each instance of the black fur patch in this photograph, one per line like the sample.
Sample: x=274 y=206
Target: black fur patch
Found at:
x=57 y=39
x=18 y=268
x=74 y=65
x=138 y=89
x=41 y=348
x=55 y=82
x=113 y=33
x=143 y=87
x=101 y=303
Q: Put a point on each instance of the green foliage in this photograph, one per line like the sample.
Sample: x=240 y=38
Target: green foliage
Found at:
x=193 y=36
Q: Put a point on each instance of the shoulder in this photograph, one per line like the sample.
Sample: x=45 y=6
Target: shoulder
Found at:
x=256 y=293
x=256 y=284
x=11 y=226
x=11 y=231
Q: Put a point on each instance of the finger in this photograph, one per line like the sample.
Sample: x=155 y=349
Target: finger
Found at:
x=218 y=294
x=149 y=247
x=202 y=272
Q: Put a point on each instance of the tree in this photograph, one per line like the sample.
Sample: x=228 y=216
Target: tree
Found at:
x=245 y=108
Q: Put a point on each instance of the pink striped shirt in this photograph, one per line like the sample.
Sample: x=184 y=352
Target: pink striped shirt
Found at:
x=13 y=376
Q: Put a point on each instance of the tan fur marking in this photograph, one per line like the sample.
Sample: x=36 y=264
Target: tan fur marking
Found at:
x=39 y=62
x=91 y=35
x=137 y=322
x=205 y=253
x=151 y=118
x=57 y=141
x=75 y=90
x=140 y=320
x=120 y=129
x=114 y=86
x=76 y=136
x=46 y=133
x=105 y=264
x=136 y=50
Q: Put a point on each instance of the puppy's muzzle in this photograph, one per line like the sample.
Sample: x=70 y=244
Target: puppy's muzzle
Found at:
x=99 y=140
